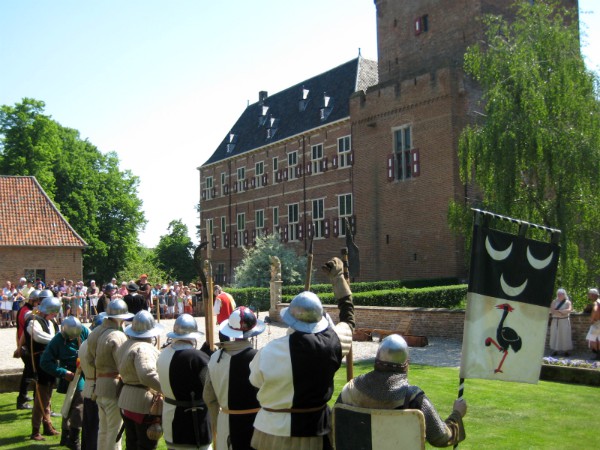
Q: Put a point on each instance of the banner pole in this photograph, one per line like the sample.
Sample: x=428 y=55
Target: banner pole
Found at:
x=461 y=391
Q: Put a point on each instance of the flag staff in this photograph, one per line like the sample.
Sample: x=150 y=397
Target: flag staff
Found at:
x=554 y=231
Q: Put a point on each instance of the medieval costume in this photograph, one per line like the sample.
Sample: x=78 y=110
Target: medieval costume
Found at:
x=137 y=365
x=560 y=326
x=387 y=388
x=103 y=345
x=182 y=370
x=230 y=397
x=293 y=395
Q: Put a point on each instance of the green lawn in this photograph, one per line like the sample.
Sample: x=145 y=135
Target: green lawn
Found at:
x=500 y=416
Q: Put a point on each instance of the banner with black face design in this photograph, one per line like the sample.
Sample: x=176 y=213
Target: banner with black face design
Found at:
x=511 y=284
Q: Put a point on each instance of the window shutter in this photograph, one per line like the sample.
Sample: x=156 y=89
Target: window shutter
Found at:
x=235 y=239
x=226 y=240
x=285 y=175
x=325 y=163
x=351 y=158
x=309 y=168
x=245 y=185
x=253 y=183
x=336 y=226
x=226 y=189
x=418 y=26
x=254 y=236
x=326 y=232
x=390 y=167
x=285 y=233
x=265 y=179
x=352 y=221
x=246 y=237
x=213 y=192
x=334 y=161
x=203 y=194
x=235 y=187
x=310 y=230
x=265 y=231
x=415 y=162
x=214 y=241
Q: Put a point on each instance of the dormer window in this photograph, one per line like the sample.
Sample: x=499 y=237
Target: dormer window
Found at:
x=327 y=107
x=303 y=103
x=231 y=141
x=272 y=125
x=262 y=119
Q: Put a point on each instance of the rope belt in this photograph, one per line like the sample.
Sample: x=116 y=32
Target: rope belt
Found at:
x=107 y=375
x=184 y=403
x=296 y=410
x=240 y=411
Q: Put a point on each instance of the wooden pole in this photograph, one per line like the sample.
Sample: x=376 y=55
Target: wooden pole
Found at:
x=349 y=356
x=208 y=306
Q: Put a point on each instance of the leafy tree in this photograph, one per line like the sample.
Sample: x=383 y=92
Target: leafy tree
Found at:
x=97 y=199
x=144 y=261
x=174 y=253
x=255 y=267
x=536 y=154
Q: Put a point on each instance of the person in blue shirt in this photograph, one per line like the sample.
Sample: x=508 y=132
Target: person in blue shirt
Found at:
x=60 y=360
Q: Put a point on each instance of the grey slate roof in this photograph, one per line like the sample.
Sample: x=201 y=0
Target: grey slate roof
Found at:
x=284 y=117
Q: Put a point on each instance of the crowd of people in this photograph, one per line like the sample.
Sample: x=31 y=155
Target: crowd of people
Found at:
x=120 y=385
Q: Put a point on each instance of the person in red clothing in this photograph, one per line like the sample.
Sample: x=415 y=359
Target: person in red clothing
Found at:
x=224 y=306
x=21 y=351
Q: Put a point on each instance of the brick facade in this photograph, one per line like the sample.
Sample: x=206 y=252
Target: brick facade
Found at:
x=55 y=262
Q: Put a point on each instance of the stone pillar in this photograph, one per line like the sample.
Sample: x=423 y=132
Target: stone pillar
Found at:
x=275 y=295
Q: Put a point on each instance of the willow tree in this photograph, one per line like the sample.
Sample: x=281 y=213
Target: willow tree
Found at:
x=535 y=154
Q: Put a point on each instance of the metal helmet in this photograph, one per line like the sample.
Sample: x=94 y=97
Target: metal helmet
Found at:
x=143 y=326
x=49 y=305
x=305 y=313
x=185 y=328
x=117 y=309
x=71 y=327
x=242 y=324
x=34 y=295
x=392 y=354
x=45 y=293
x=97 y=321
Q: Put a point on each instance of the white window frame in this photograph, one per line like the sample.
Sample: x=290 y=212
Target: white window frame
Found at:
x=275 y=216
x=223 y=230
x=344 y=145
x=318 y=218
x=223 y=182
x=209 y=187
x=259 y=171
x=292 y=158
x=403 y=146
x=275 y=165
x=345 y=209
x=316 y=157
x=241 y=227
x=210 y=227
x=259 y=220
x=241 y=176
x=293 y=221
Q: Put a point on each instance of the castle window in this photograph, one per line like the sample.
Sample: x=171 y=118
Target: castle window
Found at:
x=317 y=158
x=404 y=163
x=318 y=218
x=275 y=216
x=344 y=211
x=223 y=232
x=223 y=186
x=292 y=163
x=241 y=227
x=293 y=221
x=344 y=151
x=241 y=178
x=209 y=188
x=421 y=24
x=259 y=171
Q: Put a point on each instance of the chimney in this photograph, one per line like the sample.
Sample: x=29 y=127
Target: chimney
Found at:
x=262 y=96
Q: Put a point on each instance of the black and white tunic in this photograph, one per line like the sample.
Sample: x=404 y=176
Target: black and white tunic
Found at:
x=182 y=370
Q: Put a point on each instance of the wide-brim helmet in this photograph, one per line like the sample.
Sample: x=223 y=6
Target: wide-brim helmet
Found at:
x=117 y=309
x=34 y=295
x=242 y=324
x=71 y=327
x=185 y=328
x=143 y=326
x=305 y=313
x=50 y=305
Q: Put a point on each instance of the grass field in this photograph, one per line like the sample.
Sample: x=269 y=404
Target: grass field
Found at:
x=500 y=415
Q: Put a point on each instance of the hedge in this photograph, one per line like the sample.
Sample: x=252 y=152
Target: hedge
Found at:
x=430 y=297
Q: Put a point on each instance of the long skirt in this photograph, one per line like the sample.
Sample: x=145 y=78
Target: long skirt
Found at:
x=560 y=335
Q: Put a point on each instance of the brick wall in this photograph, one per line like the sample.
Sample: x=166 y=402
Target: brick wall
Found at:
x=57 y=262
x=439 y=322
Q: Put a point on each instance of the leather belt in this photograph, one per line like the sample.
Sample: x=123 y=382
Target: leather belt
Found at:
x=107 y=375
x=296 y=410
x=240 y=411
x=184 y=403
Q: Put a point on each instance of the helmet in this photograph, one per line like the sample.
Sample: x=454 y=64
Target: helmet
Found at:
x=71 y=327
x=185 y=328
x=305 y=313
x=34 y=295
x=117 y=309
x=109 y=287
x=46 y=293
x=97 y=321
x=143 y=326
x=49 y=305
x=392 y=355
x=242 y=324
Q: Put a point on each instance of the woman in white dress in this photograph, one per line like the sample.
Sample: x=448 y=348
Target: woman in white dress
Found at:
x=560 y=327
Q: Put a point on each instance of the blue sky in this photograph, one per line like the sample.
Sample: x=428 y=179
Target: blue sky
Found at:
x=162 y=82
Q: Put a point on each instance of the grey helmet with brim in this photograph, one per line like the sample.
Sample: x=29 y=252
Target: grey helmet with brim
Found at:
x=71 y=327
x=34 y=295
x=50 y=305
x=185 y=328
x=305 y=313
x=242 y=324
x=392 y=354
x=144 y=326
x=117 y=309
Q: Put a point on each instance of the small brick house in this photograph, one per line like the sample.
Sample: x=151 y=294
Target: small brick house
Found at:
x=36 y=241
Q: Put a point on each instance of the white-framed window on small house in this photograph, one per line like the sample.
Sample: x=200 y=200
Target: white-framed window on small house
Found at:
x=345 y=210
x=293 y=221
x=316 y=158
x=259 y=171
x=344 y=148
x=318 y=218
x=241 y=178
x=292 y=163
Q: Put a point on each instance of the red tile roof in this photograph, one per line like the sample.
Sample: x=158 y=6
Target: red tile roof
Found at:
x=22 y=198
